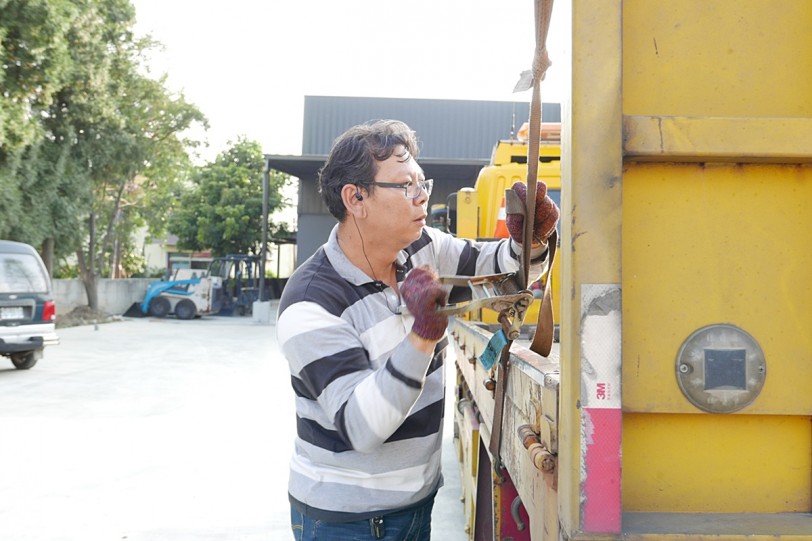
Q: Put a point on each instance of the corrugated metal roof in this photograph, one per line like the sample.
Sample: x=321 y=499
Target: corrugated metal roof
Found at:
x=457 y=138
x=455 y=129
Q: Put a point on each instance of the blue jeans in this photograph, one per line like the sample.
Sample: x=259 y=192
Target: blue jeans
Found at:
x=411 y=525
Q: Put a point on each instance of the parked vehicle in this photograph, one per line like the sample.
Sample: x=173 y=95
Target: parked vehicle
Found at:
x=188 y=294
x=230 y=286
x=240 y=274
x=676 y=405
x=27 y=309
x=479 y=212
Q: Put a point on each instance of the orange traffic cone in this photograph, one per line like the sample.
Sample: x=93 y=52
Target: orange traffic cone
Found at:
x=501 y=231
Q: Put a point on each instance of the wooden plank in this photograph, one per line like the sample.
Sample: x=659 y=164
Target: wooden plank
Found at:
x=531 y=399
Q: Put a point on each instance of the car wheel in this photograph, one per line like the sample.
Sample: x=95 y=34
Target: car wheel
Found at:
x=185 y=309
x=159 y=307
x=24 y=360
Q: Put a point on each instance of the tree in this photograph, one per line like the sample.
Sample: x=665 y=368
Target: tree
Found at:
x=91 y=147
x=120 y=136
x=222 y=210
x=35 y=59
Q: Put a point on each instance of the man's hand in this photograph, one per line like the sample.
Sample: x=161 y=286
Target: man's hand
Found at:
x=423 y=293
x=547 y=214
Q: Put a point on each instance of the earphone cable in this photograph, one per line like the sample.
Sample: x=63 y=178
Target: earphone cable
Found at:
x=374 y=277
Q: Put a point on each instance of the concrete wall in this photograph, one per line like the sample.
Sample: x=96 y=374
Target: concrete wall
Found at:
x=115 y=296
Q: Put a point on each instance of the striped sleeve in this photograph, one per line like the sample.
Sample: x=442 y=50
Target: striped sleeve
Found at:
x=465 y=257
x=362 y=404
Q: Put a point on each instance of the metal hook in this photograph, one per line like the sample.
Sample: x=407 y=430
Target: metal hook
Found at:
x=514 y=510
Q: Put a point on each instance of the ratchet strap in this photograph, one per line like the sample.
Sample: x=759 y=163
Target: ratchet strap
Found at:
x=542 y=344
x=543 y=338
x=544 y=326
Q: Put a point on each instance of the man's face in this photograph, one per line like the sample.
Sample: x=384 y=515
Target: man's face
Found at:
x=393 y=217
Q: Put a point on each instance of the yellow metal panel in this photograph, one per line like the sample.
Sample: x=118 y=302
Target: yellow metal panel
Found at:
x=717 y=244
x=490 y=187
x=590 y=203
x=716 y=526
x=467 y=213
x=716 y=463
x=491 y=184
x=784 y=140
x=468 y=450
x=711 y=58
x=493 y=180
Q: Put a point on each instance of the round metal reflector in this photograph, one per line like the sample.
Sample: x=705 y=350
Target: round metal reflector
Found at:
x=720 y=368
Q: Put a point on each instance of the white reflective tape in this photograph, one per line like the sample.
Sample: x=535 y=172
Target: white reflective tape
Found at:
x=601 y=351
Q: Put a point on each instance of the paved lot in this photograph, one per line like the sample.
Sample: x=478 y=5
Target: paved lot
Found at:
x=158 y=430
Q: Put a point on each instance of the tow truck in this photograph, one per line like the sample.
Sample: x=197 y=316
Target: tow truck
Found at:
x=676 y=404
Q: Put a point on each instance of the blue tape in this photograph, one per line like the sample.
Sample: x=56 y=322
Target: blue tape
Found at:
x=493 y=350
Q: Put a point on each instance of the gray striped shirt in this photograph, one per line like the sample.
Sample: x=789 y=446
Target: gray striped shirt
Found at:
x=369 y=406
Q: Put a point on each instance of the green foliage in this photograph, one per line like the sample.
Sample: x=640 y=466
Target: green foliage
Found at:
x=35 y=59
x=91 y=146
x=133 y=263
x=222 y=211
x=150 y=272
x=66 y=271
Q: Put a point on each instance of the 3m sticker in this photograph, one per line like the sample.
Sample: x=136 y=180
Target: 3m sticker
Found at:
x=601 y=347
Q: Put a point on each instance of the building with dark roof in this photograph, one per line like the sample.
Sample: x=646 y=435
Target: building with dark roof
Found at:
x=456 y=140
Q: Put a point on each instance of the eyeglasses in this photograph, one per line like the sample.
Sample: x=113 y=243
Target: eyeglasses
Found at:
x=411 y=189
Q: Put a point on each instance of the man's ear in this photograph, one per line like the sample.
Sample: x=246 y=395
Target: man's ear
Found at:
x=353 y=199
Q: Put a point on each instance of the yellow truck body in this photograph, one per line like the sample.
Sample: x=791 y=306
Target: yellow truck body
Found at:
x=678 y=404
x=479 y=210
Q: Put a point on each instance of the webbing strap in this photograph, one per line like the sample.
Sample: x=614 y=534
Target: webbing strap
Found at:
x=541 y=61
x=542 y=344
x=502 y=369
x=543 y=338
x=543 y=11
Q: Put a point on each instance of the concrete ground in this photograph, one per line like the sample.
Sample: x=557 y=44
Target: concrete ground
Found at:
x=159 y=430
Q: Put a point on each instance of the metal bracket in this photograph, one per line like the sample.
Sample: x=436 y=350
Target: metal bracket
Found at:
x=499 y=292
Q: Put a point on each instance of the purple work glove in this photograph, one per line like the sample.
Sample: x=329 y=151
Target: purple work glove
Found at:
x=423 y=294
x=547 y=214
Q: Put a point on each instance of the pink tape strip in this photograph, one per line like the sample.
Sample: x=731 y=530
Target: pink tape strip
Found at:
x=601 y=512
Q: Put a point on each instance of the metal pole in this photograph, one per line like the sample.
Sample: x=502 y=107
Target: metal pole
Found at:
x=263 y=252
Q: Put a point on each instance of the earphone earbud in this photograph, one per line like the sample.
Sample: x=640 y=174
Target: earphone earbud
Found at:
x=358 y=196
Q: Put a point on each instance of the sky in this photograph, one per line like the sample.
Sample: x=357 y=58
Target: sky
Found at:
x=248 y=64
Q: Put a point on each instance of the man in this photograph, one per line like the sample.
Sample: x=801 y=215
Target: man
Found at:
x=368 y=376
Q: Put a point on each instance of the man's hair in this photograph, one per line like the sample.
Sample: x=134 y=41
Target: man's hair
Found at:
x=355 y=155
